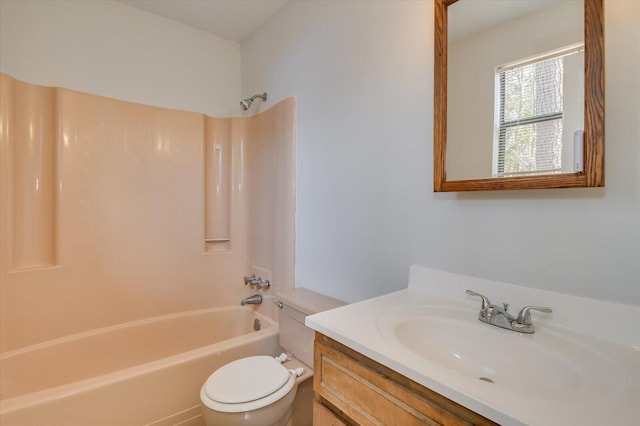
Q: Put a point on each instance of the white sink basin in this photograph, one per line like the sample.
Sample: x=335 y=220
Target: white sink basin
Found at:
x=580 y=367
x=549 y=362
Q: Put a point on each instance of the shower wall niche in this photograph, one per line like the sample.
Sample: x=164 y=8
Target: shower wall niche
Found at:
x=217 y=165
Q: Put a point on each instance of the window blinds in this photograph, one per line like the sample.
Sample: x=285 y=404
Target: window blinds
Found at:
x=531 y=116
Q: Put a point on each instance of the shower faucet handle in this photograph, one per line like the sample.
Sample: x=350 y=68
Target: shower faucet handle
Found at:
x=250 y=280
x=263 y=283
x=256 y=281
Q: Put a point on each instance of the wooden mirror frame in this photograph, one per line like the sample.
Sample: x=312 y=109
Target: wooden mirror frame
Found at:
x=593 y=174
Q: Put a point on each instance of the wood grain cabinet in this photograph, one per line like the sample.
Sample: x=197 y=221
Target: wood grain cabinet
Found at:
x=351 y=389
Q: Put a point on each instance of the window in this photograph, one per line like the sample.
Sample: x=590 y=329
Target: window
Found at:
x=530 y=112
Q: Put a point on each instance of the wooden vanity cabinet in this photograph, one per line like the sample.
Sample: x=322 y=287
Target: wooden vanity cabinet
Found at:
x=351 y=389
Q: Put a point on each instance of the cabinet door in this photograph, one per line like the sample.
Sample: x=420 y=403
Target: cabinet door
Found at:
x=367 y=393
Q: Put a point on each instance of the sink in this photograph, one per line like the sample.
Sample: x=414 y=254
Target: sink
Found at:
x=549 y=362
x=581 y=366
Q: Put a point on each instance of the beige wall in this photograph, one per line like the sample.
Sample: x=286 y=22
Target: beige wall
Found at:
x=104 y=205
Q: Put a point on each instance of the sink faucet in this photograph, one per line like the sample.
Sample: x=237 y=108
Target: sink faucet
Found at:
x=252 y=300
x=501 y=317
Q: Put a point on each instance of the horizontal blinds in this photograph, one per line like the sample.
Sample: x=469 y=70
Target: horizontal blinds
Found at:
x=531 y=114
x=531 y=148
x=531 y=104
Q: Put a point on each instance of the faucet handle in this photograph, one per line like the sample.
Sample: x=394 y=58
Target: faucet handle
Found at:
x=485 y=299
x=249 y=279
x=260 y=283
x=264 y=283
x=524 y=317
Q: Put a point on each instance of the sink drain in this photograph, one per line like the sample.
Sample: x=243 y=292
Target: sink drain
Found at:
x=485 y=379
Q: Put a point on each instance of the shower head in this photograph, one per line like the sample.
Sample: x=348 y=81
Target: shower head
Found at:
x=246 y=103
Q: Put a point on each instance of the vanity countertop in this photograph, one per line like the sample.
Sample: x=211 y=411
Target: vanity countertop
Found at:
x=574 y=369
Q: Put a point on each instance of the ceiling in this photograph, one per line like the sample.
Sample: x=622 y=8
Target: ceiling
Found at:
x=470 y=17
x=232 y=19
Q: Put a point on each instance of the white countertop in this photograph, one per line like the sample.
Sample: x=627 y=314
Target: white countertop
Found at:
x=367 y=326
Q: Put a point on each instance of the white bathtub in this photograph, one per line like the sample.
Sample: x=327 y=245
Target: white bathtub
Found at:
x=138 y=373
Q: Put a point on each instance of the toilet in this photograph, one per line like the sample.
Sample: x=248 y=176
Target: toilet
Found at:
x=260 y=390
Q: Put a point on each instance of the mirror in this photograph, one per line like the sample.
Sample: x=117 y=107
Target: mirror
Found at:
x=519 y=94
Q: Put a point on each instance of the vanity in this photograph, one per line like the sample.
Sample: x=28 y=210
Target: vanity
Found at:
x=421 y=356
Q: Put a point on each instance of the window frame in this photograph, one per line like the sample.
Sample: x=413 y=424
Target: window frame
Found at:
x=501 y=126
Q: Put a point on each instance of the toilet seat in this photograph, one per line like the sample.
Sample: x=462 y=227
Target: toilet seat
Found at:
x=247 y=384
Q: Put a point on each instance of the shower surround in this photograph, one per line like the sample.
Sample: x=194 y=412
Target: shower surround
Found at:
x=113 y=212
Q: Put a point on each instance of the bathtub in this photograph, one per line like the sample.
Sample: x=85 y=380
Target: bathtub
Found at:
x=146 y=372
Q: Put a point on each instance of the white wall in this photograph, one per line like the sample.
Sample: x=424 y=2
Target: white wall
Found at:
x=362 y=73
x=107 y=48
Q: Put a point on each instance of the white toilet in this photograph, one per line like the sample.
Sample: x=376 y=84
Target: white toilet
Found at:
x=268 y=400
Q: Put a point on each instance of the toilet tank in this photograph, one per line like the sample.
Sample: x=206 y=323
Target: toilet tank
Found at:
x=295 y=337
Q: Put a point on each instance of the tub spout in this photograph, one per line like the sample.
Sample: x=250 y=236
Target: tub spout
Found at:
x=252 y=300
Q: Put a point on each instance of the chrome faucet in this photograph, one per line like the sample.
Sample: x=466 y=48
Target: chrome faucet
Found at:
x=501 y=317
x=253 y=280
x=252 y=300
x=256 y=281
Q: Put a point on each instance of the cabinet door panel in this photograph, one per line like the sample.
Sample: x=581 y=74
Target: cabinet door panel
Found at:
x=371 y=394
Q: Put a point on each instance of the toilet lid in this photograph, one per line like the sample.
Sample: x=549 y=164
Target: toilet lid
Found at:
x=246 y=379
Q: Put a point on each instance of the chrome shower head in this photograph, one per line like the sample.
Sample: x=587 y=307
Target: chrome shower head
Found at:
x=245 y=104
